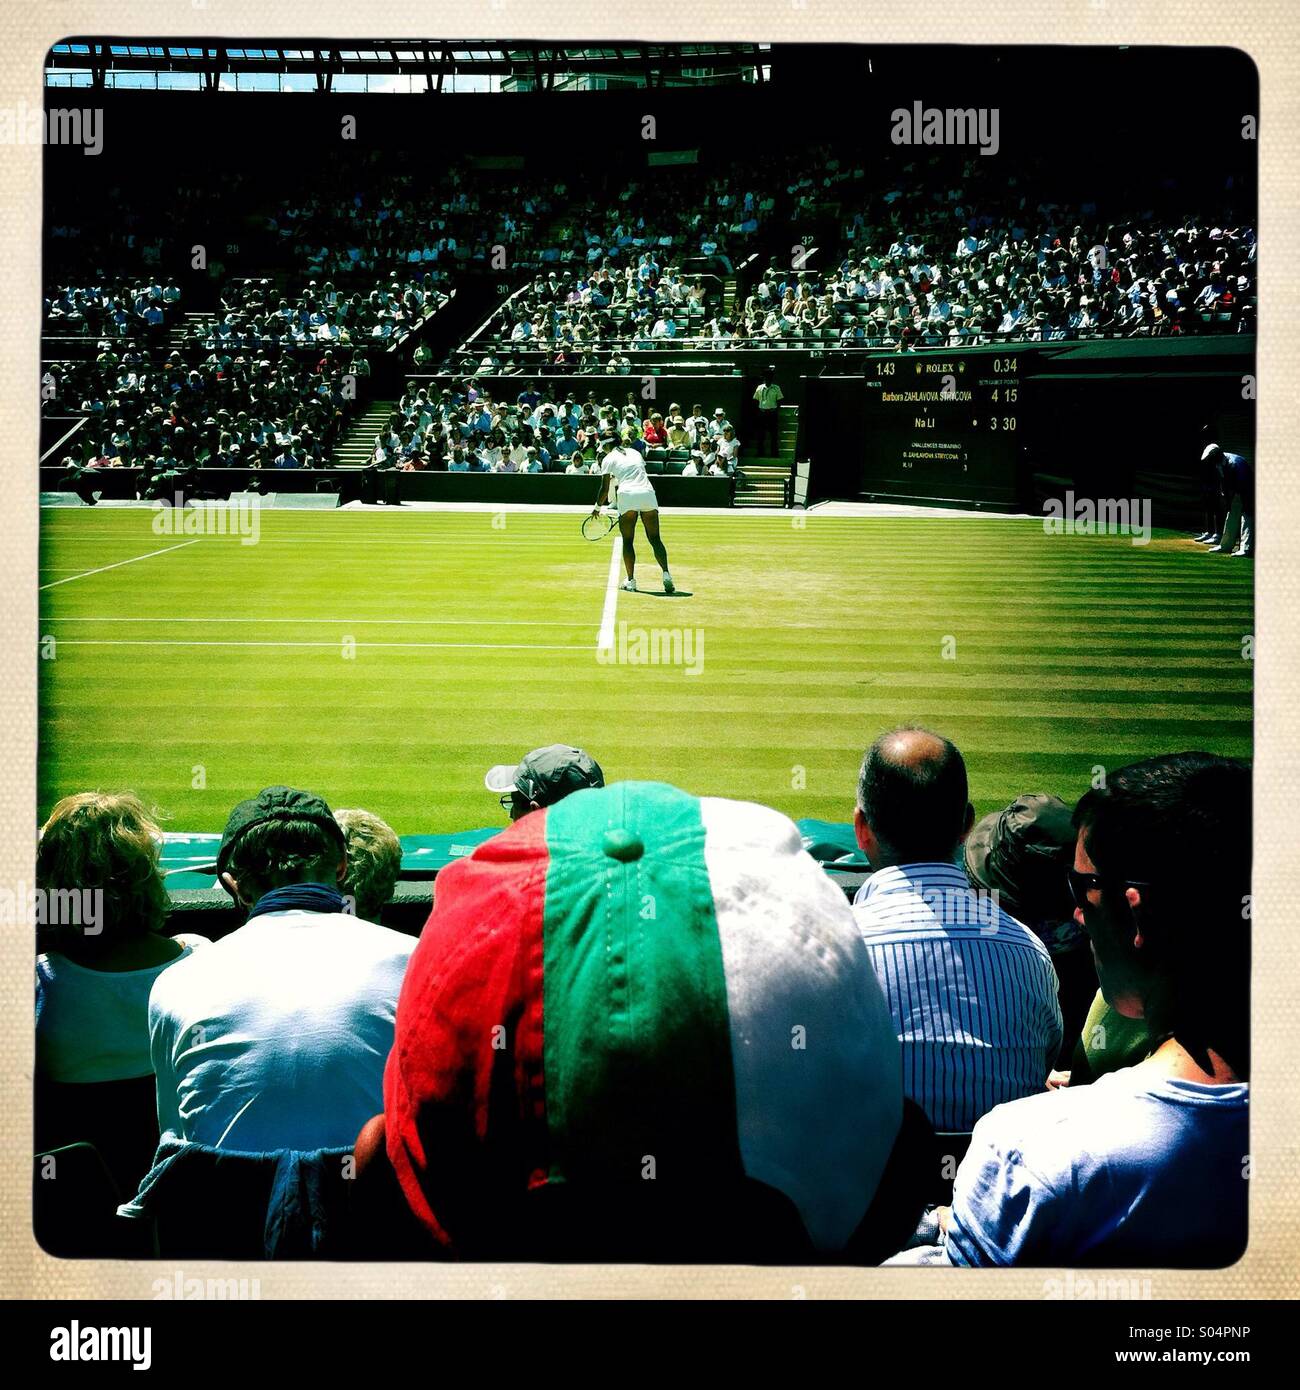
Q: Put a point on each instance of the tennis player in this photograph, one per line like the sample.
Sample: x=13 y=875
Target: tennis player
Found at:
x=623 y=466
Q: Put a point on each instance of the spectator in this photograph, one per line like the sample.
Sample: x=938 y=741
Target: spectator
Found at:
x=533 y=1141
x=679 y=438
x=543 y=777
x=1106 y=1042
x=374 y=855
x=1148 y=1165
x=101 y=950
x=567 y=445
x=94 y=976
x=729 y=450
x=1022 y=853
x=276 y=1036
x=929 y=935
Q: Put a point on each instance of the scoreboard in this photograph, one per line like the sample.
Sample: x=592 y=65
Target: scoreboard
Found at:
x=942 y=426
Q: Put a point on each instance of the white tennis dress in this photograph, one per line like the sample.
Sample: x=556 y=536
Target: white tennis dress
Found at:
x=635 y=491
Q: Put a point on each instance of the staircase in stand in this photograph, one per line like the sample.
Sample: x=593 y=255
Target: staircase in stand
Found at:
x=765 y=479
x=358 y=442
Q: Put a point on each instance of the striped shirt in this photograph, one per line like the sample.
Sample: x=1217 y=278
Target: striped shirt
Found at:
x=973 y=992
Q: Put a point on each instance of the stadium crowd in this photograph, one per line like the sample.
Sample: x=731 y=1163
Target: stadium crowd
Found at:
x=994 y=284
x=1004 y=285
x=925 y=255
x=231 y=409
x=1051 y=995
x=114 y=309
x=384 y=215
x=267 y=381
x=463 y=429
x=252 y=314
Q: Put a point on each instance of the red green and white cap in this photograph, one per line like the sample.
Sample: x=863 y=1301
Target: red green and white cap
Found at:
x=637 y=982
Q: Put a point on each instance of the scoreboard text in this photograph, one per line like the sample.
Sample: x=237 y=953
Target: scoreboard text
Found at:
x=942 y=426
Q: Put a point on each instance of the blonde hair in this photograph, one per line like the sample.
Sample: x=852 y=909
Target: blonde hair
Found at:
x=374 y=859
x=107 y=843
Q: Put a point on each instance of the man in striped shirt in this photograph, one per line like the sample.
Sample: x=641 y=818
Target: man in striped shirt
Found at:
x=973 y=992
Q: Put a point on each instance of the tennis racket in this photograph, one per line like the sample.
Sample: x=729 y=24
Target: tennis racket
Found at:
x=597 y=527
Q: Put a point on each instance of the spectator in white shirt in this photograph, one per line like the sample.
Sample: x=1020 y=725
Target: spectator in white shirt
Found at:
x=729 y=449
x=707 y=455
x=276 y=1036
x=93 y=978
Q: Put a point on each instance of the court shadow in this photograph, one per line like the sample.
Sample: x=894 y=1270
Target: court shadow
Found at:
x=659 y=593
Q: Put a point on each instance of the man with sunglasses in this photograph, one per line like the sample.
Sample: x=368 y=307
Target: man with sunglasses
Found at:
x=543 y=777
x=1148 y=1165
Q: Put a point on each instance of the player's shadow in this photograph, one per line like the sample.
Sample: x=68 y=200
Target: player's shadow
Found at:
x=659 y=593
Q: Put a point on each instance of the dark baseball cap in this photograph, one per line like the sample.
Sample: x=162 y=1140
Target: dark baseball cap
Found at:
x=1022 y=852
x=546 y=775
x=272 y=804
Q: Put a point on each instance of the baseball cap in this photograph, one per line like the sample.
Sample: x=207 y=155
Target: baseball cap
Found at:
x=655 y=950
x=1022 y=852
x=546 y=774
x=272 y=804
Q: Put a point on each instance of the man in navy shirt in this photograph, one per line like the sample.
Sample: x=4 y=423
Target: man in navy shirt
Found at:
x=1228 y=477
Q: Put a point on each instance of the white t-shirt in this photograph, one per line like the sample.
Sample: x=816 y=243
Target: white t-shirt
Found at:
x=276 y=1036
x=628 y=470
x=93 y=1025
x=1136 y=1169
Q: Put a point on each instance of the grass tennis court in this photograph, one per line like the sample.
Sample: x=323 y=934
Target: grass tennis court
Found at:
x=386 y=659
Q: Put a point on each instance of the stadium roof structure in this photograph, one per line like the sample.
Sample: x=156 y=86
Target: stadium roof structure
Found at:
x=407 y=65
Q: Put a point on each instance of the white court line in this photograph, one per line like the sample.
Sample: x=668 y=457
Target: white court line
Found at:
x=331 y=646
x=180 y=545
x=605 y=637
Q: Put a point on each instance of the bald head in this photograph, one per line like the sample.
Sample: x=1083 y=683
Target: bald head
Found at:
x=912 y=799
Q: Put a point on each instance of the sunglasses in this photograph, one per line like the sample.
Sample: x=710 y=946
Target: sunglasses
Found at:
x=1083 y=884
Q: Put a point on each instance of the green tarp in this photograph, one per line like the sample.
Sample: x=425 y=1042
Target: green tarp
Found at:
x=184 y=856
